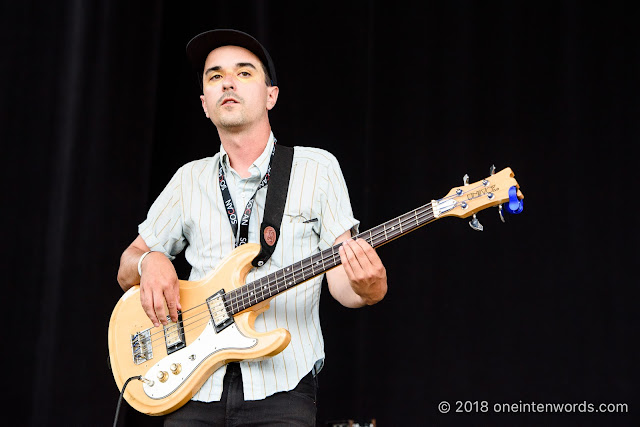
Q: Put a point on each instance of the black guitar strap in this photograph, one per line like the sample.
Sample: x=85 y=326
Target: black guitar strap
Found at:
x=274 y=205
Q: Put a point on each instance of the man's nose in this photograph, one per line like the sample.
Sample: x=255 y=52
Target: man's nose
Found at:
x=228 y=82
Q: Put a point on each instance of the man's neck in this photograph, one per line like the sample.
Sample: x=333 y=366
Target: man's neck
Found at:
x=243 y=148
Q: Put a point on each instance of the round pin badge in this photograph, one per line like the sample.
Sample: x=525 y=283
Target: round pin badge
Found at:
x=270 y=236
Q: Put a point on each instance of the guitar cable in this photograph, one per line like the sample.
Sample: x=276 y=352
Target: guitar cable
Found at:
x=137 y=377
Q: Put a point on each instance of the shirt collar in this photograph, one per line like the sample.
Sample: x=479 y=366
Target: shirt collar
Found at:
x=259 y=166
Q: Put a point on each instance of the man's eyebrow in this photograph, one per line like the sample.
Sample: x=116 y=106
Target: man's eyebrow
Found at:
x=245 y=64
x=238 y=65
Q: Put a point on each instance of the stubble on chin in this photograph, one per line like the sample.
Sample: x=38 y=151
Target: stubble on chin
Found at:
x=230 y=121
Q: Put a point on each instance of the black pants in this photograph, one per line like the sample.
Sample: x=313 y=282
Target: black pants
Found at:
x=293 y=408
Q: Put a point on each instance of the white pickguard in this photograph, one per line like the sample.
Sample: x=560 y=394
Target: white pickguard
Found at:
x=190 y=357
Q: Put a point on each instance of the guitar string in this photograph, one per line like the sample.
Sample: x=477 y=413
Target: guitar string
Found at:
x=425 y=209
x=414 y=220
x=328 y=255
x=242 y=295
x=257 y=288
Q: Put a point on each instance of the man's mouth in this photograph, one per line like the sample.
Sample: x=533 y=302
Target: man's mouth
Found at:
x=229 y=101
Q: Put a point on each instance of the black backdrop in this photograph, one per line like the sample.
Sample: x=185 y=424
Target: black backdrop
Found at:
x=99 y=108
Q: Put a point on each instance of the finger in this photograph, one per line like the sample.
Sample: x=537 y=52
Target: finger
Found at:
x=158 y=306
x=345 y=262
x=146 y=300
x=370 y=252
x=350 y=249
x=360 y=254
x=172 y=297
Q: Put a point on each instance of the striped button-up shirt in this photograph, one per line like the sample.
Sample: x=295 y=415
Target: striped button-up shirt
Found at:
x=190 y=213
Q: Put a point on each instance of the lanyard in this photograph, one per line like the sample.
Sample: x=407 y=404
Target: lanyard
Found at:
x=241 y=234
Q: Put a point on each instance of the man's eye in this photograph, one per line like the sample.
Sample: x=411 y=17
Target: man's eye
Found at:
x=244 y=74
x=215 y=77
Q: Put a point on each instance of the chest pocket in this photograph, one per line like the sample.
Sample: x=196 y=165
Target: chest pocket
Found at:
x=299 y=237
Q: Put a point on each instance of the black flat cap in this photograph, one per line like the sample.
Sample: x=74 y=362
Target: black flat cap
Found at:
x=201 y=45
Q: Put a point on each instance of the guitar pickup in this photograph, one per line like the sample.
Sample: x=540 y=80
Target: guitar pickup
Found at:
x=174 y=335
x=218 y=311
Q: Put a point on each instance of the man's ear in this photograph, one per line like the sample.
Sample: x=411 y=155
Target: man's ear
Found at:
x=272 y=96
x=204 y=105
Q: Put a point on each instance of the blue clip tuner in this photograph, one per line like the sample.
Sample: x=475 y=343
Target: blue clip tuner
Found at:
x=515 y=205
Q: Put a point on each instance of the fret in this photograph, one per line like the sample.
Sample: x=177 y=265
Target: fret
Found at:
x=305 y=264
x=276 y=281
x=393 y=228
x=313 y=270
x=381 y=238
x=415 y=214
x=335 y=252
x=265 y=286
x=273 y=282
x=237 y=300
x=253 y=294
x=234 y=304
x=282 y=281
x=374 y=240
x=261 y=288
x=285 y=273
x=242 y=302
x=288 y=282
x=228 y=305
x=250 y=293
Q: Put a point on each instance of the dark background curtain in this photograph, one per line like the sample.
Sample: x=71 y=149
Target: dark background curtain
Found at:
x=99 y=108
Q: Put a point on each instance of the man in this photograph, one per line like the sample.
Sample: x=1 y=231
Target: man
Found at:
x=239 y=88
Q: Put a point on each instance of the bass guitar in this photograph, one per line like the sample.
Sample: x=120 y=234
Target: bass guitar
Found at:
x=167 y=365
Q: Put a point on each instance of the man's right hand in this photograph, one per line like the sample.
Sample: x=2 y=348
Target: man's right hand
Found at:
x=159 y=285
x=159 y=288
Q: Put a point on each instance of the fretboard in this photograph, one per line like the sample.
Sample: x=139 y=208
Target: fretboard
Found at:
x=281 y=280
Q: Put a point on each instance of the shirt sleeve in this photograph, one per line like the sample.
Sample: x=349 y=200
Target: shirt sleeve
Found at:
x=337 y=214
x=162 y=230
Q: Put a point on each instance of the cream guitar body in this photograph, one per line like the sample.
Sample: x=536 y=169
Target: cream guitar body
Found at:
x=175 y=360
x=216 y=325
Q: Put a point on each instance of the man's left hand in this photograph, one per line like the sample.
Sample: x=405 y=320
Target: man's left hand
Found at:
x=365 y=271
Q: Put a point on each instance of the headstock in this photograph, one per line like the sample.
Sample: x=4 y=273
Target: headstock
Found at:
x=469 y=198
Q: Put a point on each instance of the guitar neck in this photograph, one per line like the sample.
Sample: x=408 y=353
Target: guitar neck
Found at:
x=281 y=280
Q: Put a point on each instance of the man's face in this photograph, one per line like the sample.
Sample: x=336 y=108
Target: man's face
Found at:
x=235 y=94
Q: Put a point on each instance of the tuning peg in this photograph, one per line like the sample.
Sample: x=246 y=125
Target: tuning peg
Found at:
x=492 y=171
x=475 y=224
